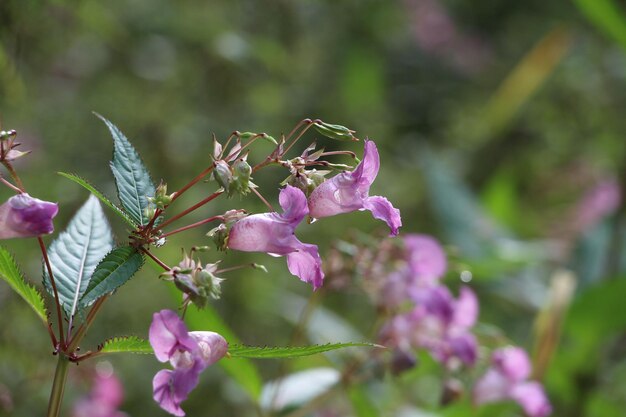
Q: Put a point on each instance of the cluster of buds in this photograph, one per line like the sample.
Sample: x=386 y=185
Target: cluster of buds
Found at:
x=232 y=172
x=197 y=283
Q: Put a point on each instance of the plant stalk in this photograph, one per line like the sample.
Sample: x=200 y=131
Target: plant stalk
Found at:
x=58 y=386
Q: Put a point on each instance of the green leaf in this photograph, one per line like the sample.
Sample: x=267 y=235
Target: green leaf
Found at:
x=260 y=352
x=115 y=269
x=362 y=404
x=77 y=251
x=607 y=16
x=83 y=183
x=133 y=181
x=242 y=370
x=126 y=344
x=10 y=272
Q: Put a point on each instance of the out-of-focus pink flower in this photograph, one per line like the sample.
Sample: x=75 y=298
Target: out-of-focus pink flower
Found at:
x=600 y=201
x=106 y=396
x=25 y=216
x=274 y=234
x=438 y=323
x=349 y=191
x=425 y=257
x=189 y=353
x=506 y=379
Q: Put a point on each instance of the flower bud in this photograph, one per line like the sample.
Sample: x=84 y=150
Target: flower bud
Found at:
x=161 y=199
x=219 y=235
x=337 y=132
x=240 y=183
x=222 y=174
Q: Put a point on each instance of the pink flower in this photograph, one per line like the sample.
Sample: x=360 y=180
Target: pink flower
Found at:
x=506 y=379
x=273 y=233
x=106 y=396
x=438 y=323
x=349 y=191
x=188 y=352
x=25 y=216
x=425 y=257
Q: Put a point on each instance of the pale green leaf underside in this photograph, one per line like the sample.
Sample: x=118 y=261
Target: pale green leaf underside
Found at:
x=86 y=185
x=133 y=181
x=289 y=351
x=126 y=344
x=10 y=272
x=77 y=251
x=112 y=272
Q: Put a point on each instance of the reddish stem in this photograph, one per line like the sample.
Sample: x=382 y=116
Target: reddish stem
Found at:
x=191 y=183
x=191 y=226
x=190 y=209
x=11 y=186
x=155 y=259
x=263 y=199
x=54 y=290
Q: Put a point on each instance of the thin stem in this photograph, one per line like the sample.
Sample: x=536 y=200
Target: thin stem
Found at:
x=232 y=135
x=11 y=186
x=54 y=290
x=192 y=183
x=155 y=259
x=263 y=199
x=58 y=387
x=14 y=175
x=73 y=344
x=302 y=132
x=234 y=268
x=191 y=226
x=190 y=209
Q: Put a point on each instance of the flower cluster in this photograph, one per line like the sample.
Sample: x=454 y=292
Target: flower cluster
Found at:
x=507 y=379
x=274 y=233
x=189 y=353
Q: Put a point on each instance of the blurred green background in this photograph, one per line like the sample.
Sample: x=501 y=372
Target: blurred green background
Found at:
x=493 y=119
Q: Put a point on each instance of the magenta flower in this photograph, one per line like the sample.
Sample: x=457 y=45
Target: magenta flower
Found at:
x=105 y=397
x=25 y=216
x=188 y=352
x=349 y=191
x=273 y=233
x=506 y=379
x=438 y=323
x=425 y=257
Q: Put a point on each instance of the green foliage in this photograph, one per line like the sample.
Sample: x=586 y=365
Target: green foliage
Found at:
x=112 y=272
x=607 y=16
x=126 y=344
x=134 y=184
x=85 y=184
x=362 y=405
x=75 y=254
x=265 y=352
x=9 y=271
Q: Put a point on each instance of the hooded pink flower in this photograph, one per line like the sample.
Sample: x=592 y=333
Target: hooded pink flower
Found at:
x=349 y=191
x=506 y=379
x=106 y=396
x=438 y=323
x=188 y=352
x=25 y=216
x=273 y=233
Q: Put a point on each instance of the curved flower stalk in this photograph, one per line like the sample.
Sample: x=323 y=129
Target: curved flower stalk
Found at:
x=25 y=216
x=349 y=191
x=438 y=323
x=273 y=233
x=188 y=352
x=507 y=379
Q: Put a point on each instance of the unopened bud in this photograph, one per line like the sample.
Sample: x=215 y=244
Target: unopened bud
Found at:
x=332 y=131
x=219 y=235
x=222 y=174
x=161 y=198
x=241 y=178
x=149 y=212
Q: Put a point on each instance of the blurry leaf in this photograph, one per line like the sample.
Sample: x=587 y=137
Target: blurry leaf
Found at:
x=524 y=80
x=242 y=370
x=83 y=183
x=264 y=352
x=298 y=388
x=500 y=198
x=126 y=344
x=77 y=251
x=10 y=272
x=607 y=15
x=362 y=405
x=133 y=181
x=113 y=271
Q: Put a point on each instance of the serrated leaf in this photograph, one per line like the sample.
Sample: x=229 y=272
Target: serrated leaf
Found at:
x=117 y=267
x=75 y=254
x=86 y=185
x=9 y=271
x=133 y=181
x=126 y=344
x=260 y=352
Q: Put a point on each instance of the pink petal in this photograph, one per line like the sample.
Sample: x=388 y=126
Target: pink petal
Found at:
x=294 y=204
x=426 y=256
x=512 y=362
x=491 y=387
x=466 y=309
x=168 y=334
x=306 y=264
x=213 y=346
x=532 y=398
x=164 y=395
x=25 y=216
x=261 y=233
x=367 y=170
x=382 y=209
